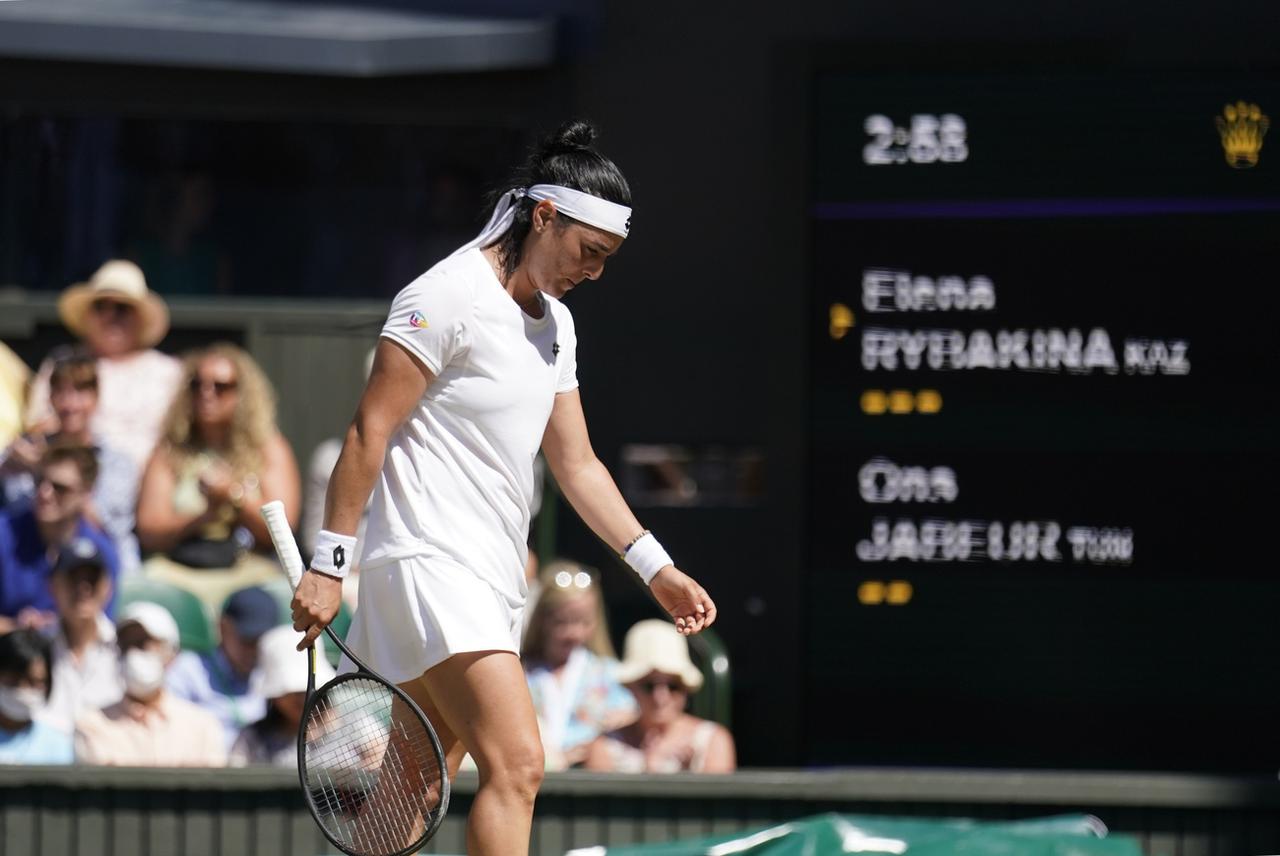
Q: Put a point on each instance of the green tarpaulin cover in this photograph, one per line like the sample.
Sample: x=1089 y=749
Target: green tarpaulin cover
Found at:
x=832 y=834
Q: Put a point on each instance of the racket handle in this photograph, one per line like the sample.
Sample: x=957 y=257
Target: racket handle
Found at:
x=282 y=537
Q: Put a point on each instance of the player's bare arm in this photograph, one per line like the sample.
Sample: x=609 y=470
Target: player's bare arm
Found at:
x=594 y=495
x=396 y=384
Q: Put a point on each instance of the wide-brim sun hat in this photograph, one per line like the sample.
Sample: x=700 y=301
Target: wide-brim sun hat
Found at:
x=655 y=645
x=282 y=668
x=120 y=280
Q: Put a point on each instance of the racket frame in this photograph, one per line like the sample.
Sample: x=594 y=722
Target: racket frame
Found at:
x=315 y=695
x=287 y=552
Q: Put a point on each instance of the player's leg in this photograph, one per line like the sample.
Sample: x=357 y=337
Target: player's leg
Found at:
x=483 y=699
x=405 y=762
x=452 y=747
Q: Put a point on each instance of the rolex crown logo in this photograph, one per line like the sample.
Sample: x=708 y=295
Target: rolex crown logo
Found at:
x=1242 y=126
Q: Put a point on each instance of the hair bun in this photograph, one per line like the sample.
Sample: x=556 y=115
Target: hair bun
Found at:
x=569 y=136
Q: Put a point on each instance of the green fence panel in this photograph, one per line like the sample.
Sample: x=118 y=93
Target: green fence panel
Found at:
x=260 y=812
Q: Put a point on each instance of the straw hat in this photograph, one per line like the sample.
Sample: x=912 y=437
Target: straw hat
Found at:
x=118 y=280
x=282 y=669
x=656 y=646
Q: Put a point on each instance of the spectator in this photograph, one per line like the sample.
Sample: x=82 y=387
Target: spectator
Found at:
x=32 y=535
x=570 y=666
x=657 y=669
x=120 y=320
x=282 y=680
x=219 y=456
x=149 y=727
x=85 y=671
x=14 y=375
x=73 y=385
x=221 y=681
x=25 y=677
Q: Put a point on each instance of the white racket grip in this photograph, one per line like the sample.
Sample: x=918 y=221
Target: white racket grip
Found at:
x=282 y=537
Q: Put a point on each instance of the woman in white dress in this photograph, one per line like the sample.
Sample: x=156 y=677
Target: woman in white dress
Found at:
x=475 y=371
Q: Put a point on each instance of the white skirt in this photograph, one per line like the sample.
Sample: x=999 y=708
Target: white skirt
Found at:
x=415 y=613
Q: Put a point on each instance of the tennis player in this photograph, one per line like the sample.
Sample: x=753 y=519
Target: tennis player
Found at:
x=476 y=370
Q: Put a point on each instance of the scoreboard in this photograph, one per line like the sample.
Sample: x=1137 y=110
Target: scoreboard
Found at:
x=1042 y=419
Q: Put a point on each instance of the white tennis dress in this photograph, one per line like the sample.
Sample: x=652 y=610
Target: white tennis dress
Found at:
x=442 y=564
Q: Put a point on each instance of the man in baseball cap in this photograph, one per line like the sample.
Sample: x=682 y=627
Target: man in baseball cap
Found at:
x=85 y=672
x=149 y=727
x=220 y=681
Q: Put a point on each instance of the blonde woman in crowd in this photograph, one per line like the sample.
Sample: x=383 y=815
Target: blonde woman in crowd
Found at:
x=570 y=665
x=219 y=454
x=664 y=739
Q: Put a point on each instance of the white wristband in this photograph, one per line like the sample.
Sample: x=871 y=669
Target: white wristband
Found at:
x=646 y=557
x=333 y=554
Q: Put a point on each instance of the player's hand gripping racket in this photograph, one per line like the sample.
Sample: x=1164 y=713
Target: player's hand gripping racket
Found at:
x=370 y=764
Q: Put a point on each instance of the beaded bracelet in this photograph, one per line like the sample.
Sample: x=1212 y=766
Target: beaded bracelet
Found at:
x=632 y=543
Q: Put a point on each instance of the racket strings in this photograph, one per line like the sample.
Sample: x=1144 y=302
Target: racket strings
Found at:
x=372 y=768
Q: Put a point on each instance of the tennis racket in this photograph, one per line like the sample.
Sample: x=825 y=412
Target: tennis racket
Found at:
x=370 y=764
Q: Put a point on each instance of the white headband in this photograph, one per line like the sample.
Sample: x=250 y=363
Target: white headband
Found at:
x=592 y=210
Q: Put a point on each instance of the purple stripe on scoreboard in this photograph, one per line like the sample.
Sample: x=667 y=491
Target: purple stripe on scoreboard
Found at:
x=981 y=209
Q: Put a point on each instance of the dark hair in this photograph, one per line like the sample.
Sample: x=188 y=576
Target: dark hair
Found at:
x=82 y=456
x=21 y=648
x=565 y=158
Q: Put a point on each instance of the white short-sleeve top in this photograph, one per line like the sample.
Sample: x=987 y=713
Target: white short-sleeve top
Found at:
x=458 y=479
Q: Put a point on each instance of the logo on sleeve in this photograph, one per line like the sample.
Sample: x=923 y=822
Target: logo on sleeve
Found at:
x=418 y=320
x=555 y=349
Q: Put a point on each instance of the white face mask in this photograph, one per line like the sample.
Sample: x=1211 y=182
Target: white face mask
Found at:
x=21 y=704
x=143 y=672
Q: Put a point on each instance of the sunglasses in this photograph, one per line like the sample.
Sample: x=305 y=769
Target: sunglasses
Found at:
x=672 y=685
x=219 y=387
x=105 y=306
x=60 y=488
x=580 y=580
